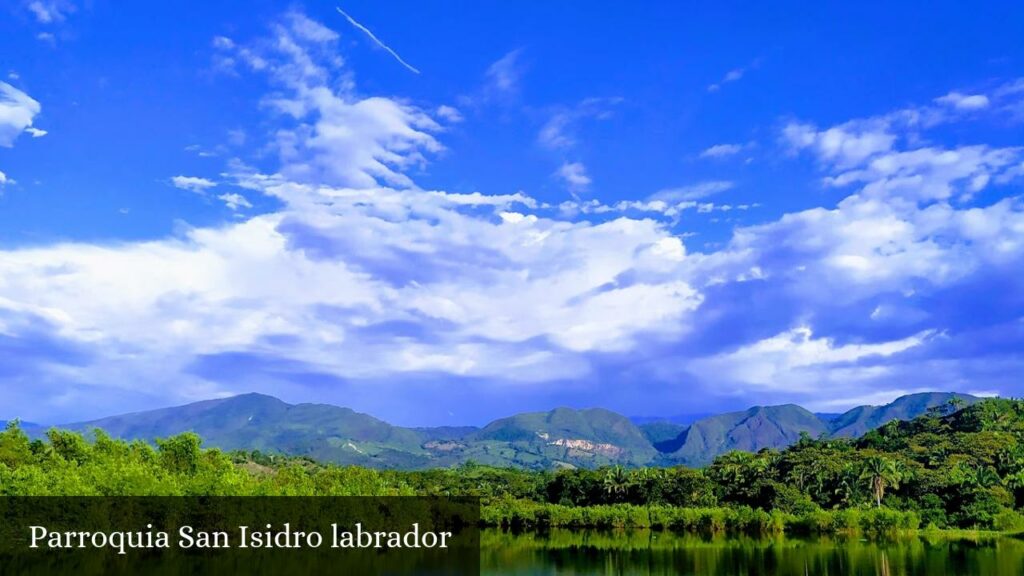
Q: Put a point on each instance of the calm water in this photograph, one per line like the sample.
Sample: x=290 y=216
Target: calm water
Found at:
x=641 y=552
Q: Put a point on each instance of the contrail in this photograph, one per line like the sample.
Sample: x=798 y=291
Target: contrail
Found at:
x=353 y=22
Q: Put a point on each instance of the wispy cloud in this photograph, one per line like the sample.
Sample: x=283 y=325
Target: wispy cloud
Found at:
x=693 y=191
x=557 y=132
x=722 y=150
x=378 y=42
x=574 y=175
x=50 y=11
x=504 y=74
x=449 y=113
x=734 y=75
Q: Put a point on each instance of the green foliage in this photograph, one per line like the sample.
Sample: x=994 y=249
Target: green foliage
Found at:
x=15 y=448
x=962 y=470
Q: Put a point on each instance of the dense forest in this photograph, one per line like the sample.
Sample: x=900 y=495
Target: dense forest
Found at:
x=950 y=469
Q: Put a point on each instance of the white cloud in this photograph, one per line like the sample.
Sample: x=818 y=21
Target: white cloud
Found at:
x=552 y=134
x=558 y=131
x=844 y=145
x=449 y=114
x=333 y=135
x=362 y=275
x=931 y=173
x=193 y=183
x=693 y=191
x=522 y=297
x=17 y=110
x=234 y=201
x=3 y=179
x=722 y=150
x=795 y=361
x=504 y=74
x=574 y=175
x=223 y=43
x=733 y=75
x=36 y=132
x=962 y=101
x=50 y=11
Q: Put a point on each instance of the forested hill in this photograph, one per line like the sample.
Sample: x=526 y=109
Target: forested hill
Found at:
x=948 y=470
x=560 y=438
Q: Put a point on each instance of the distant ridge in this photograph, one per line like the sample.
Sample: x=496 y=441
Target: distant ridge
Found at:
x=750 y=430
x=563 y=437
x=859 y=420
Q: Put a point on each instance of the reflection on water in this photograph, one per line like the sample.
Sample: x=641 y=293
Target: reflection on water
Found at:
x=643 y=552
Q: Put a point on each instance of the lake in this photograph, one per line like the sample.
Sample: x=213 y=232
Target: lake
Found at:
x=642 y=552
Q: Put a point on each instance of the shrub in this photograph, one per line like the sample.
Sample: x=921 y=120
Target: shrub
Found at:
x=1008 y=521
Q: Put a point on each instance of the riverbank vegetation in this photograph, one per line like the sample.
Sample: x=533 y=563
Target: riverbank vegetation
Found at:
x=951 y=469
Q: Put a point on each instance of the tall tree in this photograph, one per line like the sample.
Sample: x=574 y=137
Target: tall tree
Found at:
x=881 y=473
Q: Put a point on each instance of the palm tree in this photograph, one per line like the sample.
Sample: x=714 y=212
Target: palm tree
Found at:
x=735 y=466
x=616 y=481
x=881 y=473
x=985 y=477
x=848 y=485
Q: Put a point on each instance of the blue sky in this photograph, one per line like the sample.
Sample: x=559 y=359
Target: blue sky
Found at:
x=444 y=212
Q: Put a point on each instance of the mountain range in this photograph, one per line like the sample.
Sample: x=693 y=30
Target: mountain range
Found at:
x=563 y=437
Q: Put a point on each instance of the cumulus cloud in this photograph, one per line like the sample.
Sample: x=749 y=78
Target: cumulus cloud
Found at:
x=324 y=287
x=964 y=101
x=234 y=201
x=877 y=291
x=796 y=362
x=193 y=183
x=361 y=281
x=17 y=111
x=844 y=145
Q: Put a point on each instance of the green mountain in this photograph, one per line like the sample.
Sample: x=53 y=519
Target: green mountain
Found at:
x=751 y=430
x=563 y=437
x=857 y=421
x=264 y=423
